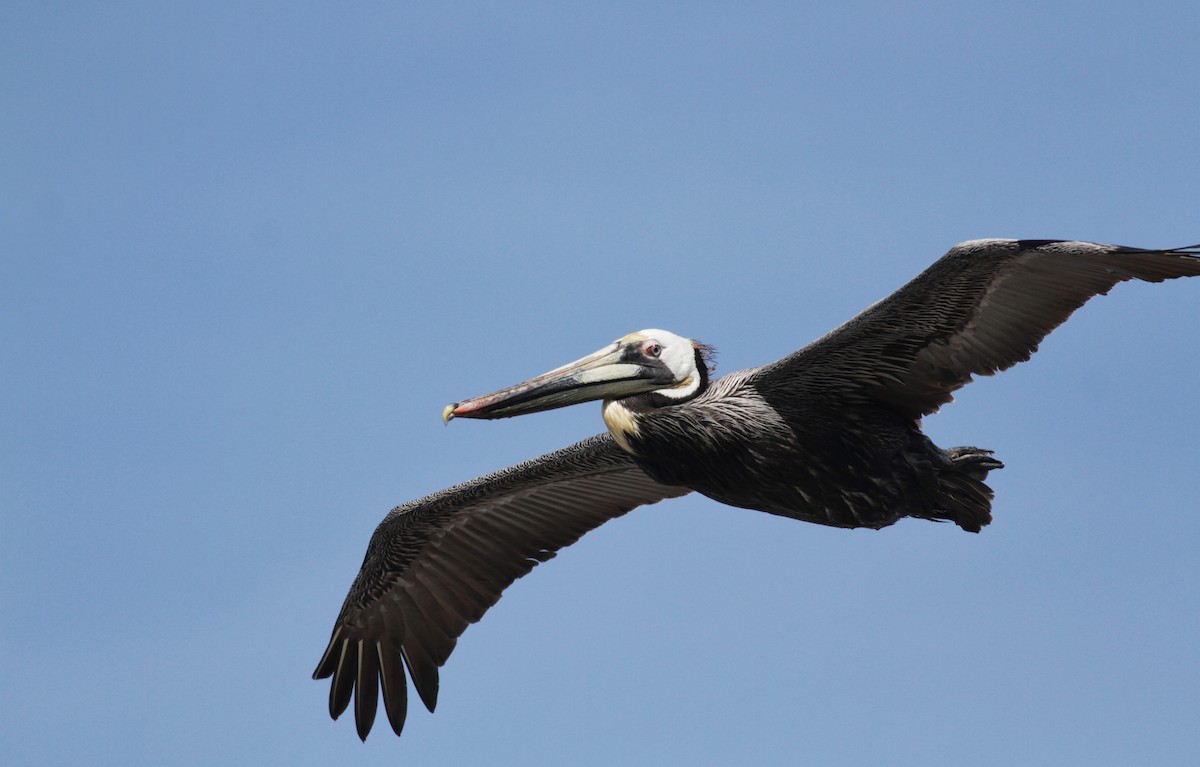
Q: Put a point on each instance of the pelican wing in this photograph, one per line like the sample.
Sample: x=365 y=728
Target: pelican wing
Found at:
x=981 y=308
x=435 y=565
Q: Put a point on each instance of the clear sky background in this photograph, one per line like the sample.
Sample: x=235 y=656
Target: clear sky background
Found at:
x=248 y=253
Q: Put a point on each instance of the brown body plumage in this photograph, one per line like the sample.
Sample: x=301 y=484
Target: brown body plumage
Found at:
x=803 y=458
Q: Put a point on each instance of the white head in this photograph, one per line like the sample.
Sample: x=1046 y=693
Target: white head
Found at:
x=681 y=357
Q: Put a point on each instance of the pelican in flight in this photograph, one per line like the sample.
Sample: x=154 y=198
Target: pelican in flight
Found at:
x=829 y=434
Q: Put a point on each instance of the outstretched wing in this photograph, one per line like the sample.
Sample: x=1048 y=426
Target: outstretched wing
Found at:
x=435 y=565
x=981 y=308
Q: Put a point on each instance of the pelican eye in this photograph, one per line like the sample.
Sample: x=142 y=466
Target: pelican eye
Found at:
x=652 y=349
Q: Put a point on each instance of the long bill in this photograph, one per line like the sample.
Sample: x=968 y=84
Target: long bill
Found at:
x=610 y=373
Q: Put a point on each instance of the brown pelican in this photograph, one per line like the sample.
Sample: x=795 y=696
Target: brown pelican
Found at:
x=829 y=434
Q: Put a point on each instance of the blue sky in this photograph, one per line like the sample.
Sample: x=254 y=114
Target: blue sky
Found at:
x=250 y=252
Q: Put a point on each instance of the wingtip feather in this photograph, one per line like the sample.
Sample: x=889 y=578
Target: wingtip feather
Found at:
x=342 y=686
x=395 y=689
x=366 y=691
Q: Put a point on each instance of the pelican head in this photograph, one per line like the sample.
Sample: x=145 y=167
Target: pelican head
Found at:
x=657 y=364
